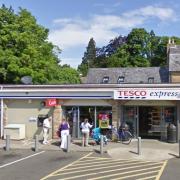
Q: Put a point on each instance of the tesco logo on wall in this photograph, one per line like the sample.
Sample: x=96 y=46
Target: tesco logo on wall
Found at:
x=154 y=94
x=133 y=93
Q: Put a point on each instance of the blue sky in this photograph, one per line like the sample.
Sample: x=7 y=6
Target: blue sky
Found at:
x=73 y=22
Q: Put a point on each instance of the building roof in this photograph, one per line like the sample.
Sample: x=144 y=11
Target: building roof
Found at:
x=174 y=58
x=130 y=74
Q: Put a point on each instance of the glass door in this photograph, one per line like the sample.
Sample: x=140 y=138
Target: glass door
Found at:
x=130 y=118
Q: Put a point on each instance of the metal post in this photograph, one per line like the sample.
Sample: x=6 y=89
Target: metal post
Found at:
x=179 y=148
x=68 y=143
x=7 y=142
x=139 y=145
x=36 y=143
x=101 y=145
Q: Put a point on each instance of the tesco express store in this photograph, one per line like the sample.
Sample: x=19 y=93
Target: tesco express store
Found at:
x=146 y=108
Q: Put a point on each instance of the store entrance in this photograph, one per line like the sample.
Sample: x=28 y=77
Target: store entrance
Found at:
x=150 y=122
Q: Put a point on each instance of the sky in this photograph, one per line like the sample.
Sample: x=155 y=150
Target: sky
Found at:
x=72 y=23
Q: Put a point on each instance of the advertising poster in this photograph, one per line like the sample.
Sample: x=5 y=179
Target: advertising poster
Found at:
x=103 y=120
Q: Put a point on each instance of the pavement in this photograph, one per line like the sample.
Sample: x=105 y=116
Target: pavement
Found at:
x=151 y=150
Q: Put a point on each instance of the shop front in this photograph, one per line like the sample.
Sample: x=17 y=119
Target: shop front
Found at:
x=77 y=114
x=148 y=112
x=150 y=121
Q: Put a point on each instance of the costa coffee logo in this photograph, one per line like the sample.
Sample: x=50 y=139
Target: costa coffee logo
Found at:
x=51 y=102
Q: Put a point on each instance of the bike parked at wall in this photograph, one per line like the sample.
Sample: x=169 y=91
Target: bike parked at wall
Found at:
x=122 y=134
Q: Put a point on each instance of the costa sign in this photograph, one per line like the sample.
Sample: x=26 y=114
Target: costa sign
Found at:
x=51 y=102
x=152 y=94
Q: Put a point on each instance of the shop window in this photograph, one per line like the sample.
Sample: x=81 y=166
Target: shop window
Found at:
x=105 y=79
x=120 y=79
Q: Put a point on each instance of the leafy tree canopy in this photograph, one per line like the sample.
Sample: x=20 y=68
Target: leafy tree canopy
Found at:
x=139 y=49
x=25 y=51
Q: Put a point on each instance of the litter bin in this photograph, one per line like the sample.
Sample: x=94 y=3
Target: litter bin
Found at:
x=171 y=133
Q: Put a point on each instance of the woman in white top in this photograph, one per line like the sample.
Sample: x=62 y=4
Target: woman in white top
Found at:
x=85 y=132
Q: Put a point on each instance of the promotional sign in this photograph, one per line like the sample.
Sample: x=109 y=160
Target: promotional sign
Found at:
x=147 y=94
x=51 y=102
x=103 y=120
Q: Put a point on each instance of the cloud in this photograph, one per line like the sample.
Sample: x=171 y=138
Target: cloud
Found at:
x=71 y=32
x=152 y=11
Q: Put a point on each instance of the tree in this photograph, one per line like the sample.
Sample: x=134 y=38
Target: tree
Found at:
x=25 y=51
x=89 y=58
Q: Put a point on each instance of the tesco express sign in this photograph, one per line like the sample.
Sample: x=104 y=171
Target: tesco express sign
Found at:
x=152 y=94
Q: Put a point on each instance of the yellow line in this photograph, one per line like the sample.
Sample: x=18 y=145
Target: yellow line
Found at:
x=114 y=165
x=124 y=172
x=51 y=174
x=134 y=175
x=92 y=169
x=161 y=171
x=97 y=173
x=150 y=177
x=98 y=162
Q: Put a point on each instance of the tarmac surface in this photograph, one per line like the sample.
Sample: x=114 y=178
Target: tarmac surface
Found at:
x=151 y=150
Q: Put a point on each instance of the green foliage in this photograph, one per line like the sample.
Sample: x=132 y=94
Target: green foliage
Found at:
x=142 y=49
x=89 y=59
x=25 y=51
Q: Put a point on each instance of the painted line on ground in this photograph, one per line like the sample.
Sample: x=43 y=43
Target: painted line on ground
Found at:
x=161 y=171
x=52 y=174
x=104 y=167
x=8 y=164
x=103 y=172
x=128 y=172
x=134 y=175
x=105 y=161
x=149 y=177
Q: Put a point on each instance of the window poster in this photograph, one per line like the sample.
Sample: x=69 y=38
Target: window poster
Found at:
x=103 y=120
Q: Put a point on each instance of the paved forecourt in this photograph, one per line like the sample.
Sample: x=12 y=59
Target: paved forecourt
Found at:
x=92 y=168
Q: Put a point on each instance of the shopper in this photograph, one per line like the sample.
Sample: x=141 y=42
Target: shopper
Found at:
x=64 y=129
x=85 y=132
x=46 y=128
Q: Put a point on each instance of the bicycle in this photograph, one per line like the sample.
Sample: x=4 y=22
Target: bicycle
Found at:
x=123 y=134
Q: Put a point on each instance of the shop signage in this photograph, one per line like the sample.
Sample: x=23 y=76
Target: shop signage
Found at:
x=103 y=120
x=51 y=102
x=147 y=94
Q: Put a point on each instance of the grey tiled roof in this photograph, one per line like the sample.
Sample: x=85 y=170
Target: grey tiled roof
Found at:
x=174 y=58
x=131 y=75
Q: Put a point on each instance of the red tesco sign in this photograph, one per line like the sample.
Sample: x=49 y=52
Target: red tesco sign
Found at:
x=51 y=102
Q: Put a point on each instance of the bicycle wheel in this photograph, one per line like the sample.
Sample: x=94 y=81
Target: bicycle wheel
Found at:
x=128 y=136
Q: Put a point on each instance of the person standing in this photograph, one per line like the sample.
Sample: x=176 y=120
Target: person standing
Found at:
x=85 y=132
x=46 y=128
x=64 y=129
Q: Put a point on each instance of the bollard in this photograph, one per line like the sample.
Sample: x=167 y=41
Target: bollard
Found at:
x=101 y=145
x=7 y=142
x=139 y=145
x=179 y=148
x=36 y=143
x=68 y=142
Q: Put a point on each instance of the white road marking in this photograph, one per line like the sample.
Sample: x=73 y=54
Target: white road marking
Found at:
x=8 y=164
